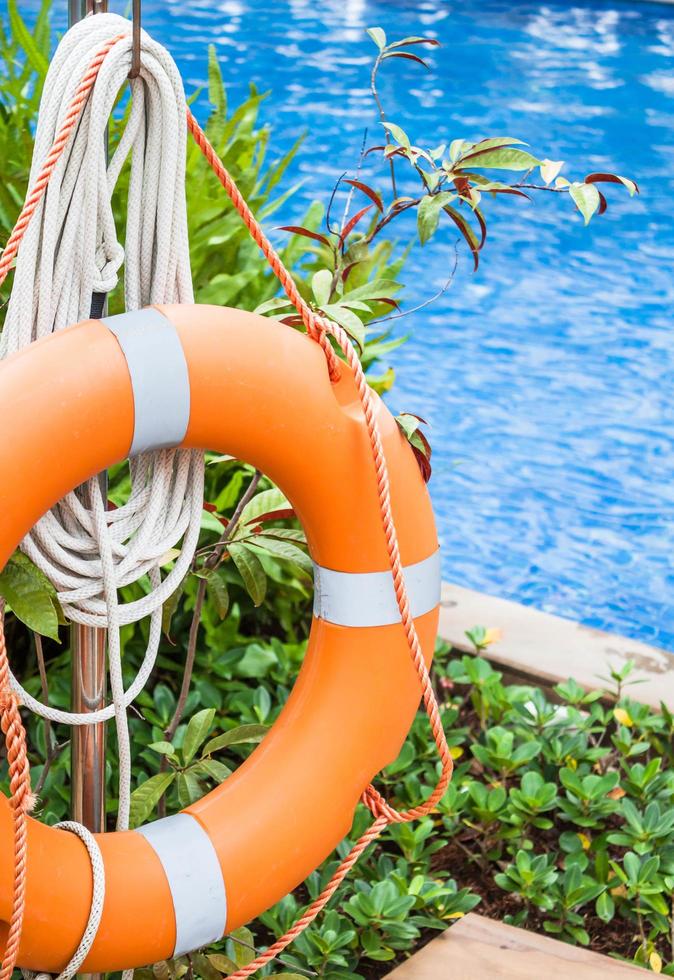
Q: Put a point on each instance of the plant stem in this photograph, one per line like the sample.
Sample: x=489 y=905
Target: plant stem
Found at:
x=382 y=116
x=51 y=746
x=640 y=921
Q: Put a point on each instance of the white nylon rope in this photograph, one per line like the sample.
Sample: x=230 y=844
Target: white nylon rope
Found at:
x=97 y=901
x=69 y=252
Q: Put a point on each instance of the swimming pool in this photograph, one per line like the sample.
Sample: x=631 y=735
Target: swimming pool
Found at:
x=547 y=377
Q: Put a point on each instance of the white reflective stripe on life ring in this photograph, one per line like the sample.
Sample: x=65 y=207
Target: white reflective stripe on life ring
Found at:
x=368 y=598
x=194 y=877
x=159 y=378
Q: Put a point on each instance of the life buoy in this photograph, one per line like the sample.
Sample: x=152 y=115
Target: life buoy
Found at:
x=201 y=376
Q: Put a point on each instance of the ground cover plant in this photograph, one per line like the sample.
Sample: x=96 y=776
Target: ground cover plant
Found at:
x=557 y=818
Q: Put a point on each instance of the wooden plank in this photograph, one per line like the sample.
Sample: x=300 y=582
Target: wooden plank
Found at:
x=477 y=948
x=538 y=646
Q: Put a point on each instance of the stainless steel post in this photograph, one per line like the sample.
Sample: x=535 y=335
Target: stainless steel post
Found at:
x=88 y=647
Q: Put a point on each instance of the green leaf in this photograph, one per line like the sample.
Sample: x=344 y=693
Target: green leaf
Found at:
x=214 y=769
x=428 y=214
x=257 y=661
x=378 y=36
x=321 y=286
x=145 y=798
x=189 y=788
x=374 y=289
x=499 y=158
x=201 y=964
x=209 y=522
x=264 y=503
x=224 y=964
x=216 y=87
x=398 y=134
x=25 y=39
x=197 y=732
x=457 y=147
x=282 y=549
x=30 y=595
x=586 y=197
x=495 y=142
x=164 y=748
x=236 y=736
x=242 y=944
x=550 y=170
x=169 y=608
x=274 y=305
x=251 y=571
x=219 y=593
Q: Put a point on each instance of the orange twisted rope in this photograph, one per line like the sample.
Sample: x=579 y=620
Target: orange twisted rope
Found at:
x=319 y=329
x=21 y=802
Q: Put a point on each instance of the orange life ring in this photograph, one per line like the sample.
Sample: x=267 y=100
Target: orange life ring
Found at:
x=77 y=402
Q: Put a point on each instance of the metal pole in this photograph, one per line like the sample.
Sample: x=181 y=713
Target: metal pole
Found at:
x=88 y=647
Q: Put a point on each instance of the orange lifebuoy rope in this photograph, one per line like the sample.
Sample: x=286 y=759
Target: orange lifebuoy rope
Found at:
x=320 y=330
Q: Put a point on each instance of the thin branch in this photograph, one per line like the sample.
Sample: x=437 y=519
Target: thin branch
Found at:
x=349 y=196
x=427 y=302
x=210 y=563
x=52 y=747
x=328 y=213
x=236 y=516
x=541 y=187
x=382 y=116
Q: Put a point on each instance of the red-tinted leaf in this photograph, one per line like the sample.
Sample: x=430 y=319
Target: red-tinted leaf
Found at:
x=423 y=456
x=600 y=178
x=387 y=300
x=294 y=320
x=492 y=190
x=350 y=225
x=417 y=417
x=483 y=226
x=408 y=41
x=466 y=231
x=212 y=509
x=602 y=203
x=462 y=185
x=346 y=272
x=374 y=196
x=297 y=230
x=509 y=190
x=405 y=54
x=282 y=514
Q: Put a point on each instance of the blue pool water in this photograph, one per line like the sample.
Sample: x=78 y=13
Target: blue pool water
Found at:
x=547 y=377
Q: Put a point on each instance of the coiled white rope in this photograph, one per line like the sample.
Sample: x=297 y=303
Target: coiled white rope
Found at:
x=71 y=251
